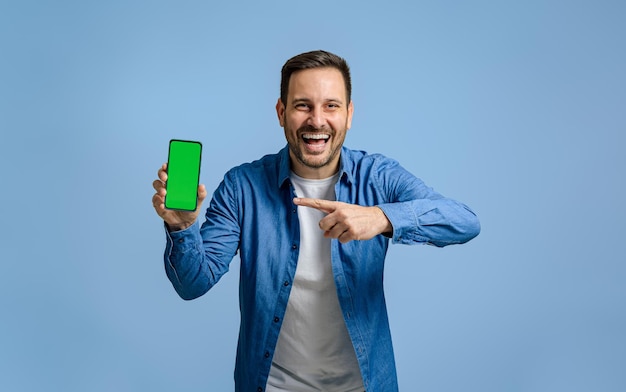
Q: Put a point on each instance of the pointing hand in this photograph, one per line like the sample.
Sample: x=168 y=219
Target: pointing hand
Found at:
x=347 y=222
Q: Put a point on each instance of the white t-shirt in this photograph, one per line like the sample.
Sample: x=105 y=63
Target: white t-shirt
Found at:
x=314 y=351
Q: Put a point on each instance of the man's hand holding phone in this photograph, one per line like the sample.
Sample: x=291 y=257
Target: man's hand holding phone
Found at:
x=175 y=219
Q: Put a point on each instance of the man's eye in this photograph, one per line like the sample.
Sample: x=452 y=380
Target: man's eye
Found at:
x=302 y=106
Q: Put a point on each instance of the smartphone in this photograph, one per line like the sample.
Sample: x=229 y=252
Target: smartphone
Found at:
x=183 y=175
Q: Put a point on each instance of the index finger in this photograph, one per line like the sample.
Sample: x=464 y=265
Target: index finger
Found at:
x=320 y=204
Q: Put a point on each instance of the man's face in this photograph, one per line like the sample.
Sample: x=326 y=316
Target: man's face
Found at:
x=315 y=119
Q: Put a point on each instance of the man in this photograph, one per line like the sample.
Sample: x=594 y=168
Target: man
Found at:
x=312 y=224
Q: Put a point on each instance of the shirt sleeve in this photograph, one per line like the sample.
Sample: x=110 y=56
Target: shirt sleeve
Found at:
x=197 y=257
x=418 y=214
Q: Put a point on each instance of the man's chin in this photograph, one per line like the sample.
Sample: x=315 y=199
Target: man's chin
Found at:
x=312 y=159
x=314 y=162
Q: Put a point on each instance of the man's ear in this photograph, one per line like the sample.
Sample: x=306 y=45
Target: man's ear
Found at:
x=280 y=112
x=350 y=113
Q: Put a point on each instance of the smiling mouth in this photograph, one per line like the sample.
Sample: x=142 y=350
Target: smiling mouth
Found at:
x=315 y=139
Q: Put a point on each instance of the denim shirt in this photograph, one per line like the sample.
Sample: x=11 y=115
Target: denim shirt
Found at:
x=252 y=212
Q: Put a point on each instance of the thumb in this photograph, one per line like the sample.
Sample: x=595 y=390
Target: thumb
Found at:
x=201 y=193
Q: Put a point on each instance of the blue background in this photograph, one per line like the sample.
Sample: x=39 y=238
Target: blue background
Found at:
x=515 y=108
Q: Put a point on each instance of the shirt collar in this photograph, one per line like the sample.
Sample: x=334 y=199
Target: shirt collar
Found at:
x=346 y=165
x=284 y=166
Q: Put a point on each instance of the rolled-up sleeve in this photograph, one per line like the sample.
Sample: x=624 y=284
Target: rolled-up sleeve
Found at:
x=418 y=214
x=197 y=257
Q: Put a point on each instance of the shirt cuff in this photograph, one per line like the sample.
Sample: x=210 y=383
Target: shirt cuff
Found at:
x=181 y=241
x=404 y=222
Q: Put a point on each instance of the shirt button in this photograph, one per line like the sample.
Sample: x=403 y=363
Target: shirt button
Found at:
x=294 y=211
x=286 y=283
x=180 y=241
x=294 y=246
x=259 y=389
x=276 y=319
x=267 y=354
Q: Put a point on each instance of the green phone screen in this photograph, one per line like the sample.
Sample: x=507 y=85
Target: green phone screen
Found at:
x=183 y=175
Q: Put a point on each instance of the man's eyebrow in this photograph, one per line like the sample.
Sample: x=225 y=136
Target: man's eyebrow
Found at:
x=306 y=100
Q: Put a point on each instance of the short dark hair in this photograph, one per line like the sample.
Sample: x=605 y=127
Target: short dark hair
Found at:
x=314 y=59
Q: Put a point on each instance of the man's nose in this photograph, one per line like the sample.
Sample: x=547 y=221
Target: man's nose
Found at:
x=316 y=118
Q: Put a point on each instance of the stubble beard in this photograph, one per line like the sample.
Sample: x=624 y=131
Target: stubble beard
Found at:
x=296 y=148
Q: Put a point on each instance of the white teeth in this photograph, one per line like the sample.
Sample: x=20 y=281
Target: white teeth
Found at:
x=316 y=136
